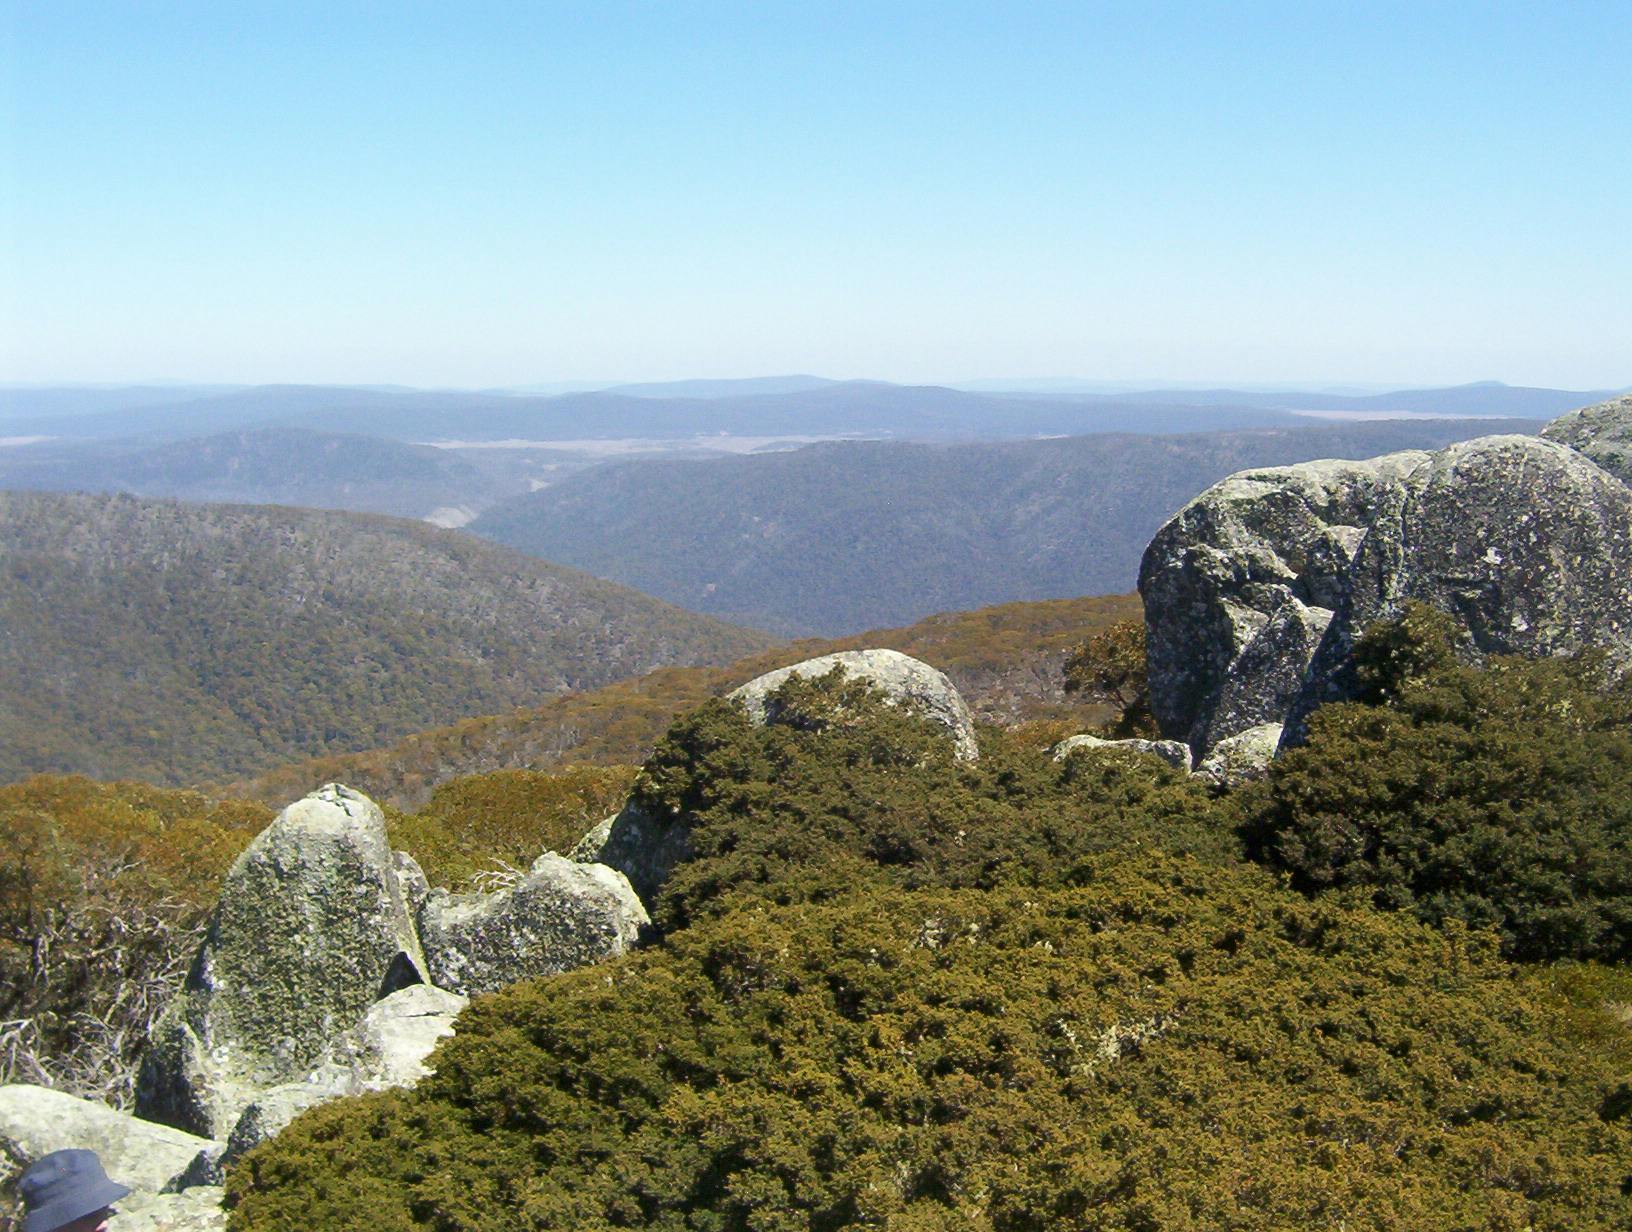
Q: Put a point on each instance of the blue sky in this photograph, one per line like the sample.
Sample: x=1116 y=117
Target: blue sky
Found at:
x=487 y=194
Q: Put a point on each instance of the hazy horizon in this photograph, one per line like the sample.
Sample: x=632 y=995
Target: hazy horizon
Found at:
x=1023 y=384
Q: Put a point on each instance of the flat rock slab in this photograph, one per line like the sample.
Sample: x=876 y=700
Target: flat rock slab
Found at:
x=194 y=1210
x=34 y=1121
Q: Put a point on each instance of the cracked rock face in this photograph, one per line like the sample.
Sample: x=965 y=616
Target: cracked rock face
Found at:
x=561 y=915
x=644 y=849
x=901 y=678
x=311 y=928
x=1242 y=581
x=1526 y=542
x=1242 y=757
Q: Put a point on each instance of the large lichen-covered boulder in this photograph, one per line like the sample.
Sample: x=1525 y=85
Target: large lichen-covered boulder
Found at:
x=311 y=928
x=1602 y=432
x=560 y=916
x=1526 y=542
x=902 y=679
x=1243 y=579
x=34 y=1121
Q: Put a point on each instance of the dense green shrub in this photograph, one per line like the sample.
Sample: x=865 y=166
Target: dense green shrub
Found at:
x=846 y=786
x=1172 y=1044
x=1494 y=795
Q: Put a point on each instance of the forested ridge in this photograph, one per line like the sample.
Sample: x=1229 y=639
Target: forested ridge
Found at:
x=1007 y=661
x=181 y=643
x=284 y=466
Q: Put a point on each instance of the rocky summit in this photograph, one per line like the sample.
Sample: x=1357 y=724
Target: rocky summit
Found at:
x=1256 y=590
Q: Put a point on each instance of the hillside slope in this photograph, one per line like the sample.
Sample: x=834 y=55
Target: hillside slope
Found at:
x=177 y=643
x=1006 y=661
x=846 y=536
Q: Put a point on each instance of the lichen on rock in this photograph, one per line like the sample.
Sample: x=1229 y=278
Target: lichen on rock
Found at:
x=311 y=928
x=1264 y=554
x=561 y=915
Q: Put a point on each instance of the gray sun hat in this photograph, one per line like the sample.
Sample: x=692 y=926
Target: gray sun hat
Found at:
x=64 y=1186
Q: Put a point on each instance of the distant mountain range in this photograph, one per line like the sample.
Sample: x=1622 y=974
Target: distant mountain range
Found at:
x=846 y=536
x=798 y=407
x=179 y=643
x=849 y=408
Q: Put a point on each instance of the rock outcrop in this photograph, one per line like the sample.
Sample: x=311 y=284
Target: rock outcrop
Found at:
x=310 y=984
x=1602 y=432
x=312 y=978
x=1527 y=543
x=1241 y=582
x=310 y=930
x=1242 y=757
x=1256 y=591
x=1174 y=752
x=561 y=915
x=902 y=679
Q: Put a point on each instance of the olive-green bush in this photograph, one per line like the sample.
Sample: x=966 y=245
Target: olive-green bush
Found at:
x=1171 y=1045
x=482 y=822
x=845 y=786
x=898 y=991
x=1495 y=795
x=104 y=890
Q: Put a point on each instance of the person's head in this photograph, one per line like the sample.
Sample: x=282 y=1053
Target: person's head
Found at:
x=67 y=1191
